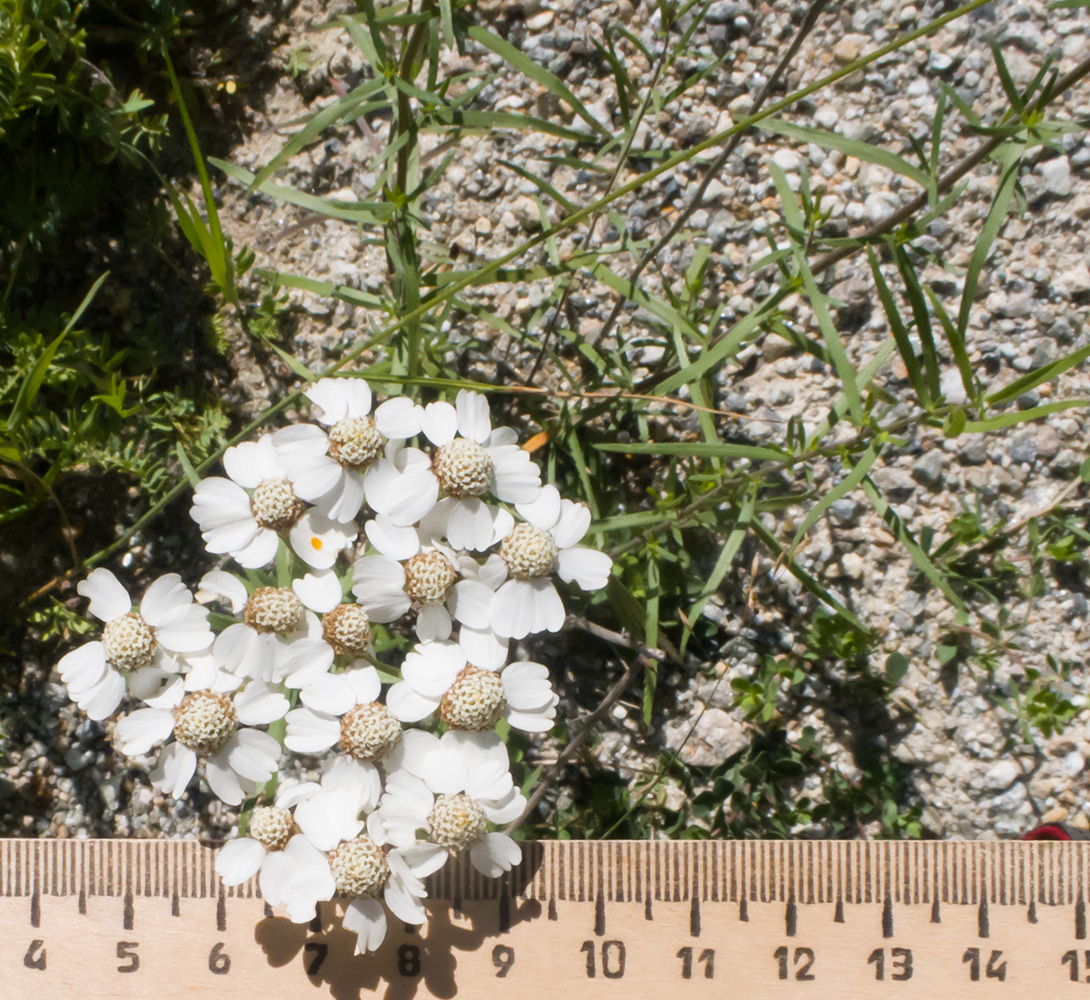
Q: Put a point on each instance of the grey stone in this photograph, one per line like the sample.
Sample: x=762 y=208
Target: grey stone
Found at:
x=928 y=469
x=975 y=452
x=844 y=511
x=1066 y=462
x=895 y=484
x=715 y=737
x=1056 y=176
x=1022 y=448
x=1002 y=774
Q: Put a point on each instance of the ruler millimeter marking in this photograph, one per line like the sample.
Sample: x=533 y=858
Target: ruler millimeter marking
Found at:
x=748 y=919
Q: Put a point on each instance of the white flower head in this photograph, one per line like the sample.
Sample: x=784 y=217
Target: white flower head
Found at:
x=140 y=647
x=338 y=468
x=277 y=637
x=246 y=514
x=211 y=726
x=290 y=869
x=438 y=678
x=343 y=710
x=471 y=461
x=546 y=543
x=463 y=786
x=415 y=572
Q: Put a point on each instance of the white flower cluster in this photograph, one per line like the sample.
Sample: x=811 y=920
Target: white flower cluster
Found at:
x=462 y=544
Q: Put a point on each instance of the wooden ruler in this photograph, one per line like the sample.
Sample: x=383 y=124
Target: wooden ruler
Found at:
x=746 y=920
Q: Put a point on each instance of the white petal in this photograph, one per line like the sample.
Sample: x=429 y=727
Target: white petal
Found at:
x=311 y=732
x=410 y=756
x=364 y=682
x=539 y=720
x=408 y=706
x=239 y=860
x=343 y=502
x=108 y=598
x=170 y=697
x=424 y=859
x=319 y=591
x=433 y=622
x=589 y=568
x=252 y=754
x=147 y=682
x=236 y=648
x=268 y=465
x=471 y=603
x=543 y=512
x=315 y=476
x=411 y=496
x=507 y=809
x=328 y=818
x=470 y=525
x=483 y=648
x=516 y=478
x=101 y=701
x=573 y=524
x=548 y=608
x=318 y=539
x=139 y=731
x=489 y=781
x=494 y=854
x=84 y=666
x=439 y=422
x=259 y=704
x=223 y=781
x=398 y=418
x=330 y=694
x=220 y=584
x=526 y=686
x=473 y=419
x=258 y=552
x=241 y=463
x=394 y=541
x=172 y=774
x=379 y=478
x=445 y=771
x=514 y=610
x=402 y=903
x=301 y=659
x=185 y=631
x=379 y=587
x=164 y=596
x=367 y=919
x=431 y=667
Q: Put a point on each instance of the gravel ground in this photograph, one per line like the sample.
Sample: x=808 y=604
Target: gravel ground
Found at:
x=971 y=772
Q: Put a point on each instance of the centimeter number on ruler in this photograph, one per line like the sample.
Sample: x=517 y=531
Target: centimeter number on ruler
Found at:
x=741 y=919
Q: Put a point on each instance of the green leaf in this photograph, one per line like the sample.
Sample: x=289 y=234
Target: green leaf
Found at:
x=697 y=449
x=1021 y=416
x=723 y=563
x=833 y=343
x=905 y=537
x=852 y=147
x=1034 y=378
x=367 y=213
x=900 y=333
x=896 y=668
x=488 y=121
x=294 y=364
x=1009 y=156
x=915 y=296
x=842 y=489
x=537 y=73
x=28 y=391
x=187 y=467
